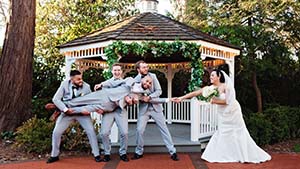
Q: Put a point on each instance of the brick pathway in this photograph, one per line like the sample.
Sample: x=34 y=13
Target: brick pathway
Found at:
x=158 y=161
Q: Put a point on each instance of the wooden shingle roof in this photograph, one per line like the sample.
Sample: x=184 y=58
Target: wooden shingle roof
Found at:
x=144 y=27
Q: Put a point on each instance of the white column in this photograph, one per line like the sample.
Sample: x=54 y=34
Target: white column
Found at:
x=114 y=133
x=195 y=120
x=231 y=69
x=68 y=61
x=169 y=78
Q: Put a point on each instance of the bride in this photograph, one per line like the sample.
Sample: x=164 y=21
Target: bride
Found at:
x=232 y=141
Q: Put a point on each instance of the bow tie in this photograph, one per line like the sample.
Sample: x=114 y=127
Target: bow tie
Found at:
x=142 y=76
x=75 y=87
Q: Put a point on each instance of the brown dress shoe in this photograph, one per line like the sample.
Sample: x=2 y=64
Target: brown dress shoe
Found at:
x=55 y=115
x=50 y=106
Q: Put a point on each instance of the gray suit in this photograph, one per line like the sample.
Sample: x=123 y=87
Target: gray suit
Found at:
x=63 y=94
x=108 y=99
x=120 y=116
x=153 y=110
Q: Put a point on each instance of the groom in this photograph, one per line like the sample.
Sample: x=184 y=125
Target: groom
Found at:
x=153 y=110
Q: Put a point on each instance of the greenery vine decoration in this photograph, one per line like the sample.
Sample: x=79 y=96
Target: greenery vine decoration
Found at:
x=189 y=50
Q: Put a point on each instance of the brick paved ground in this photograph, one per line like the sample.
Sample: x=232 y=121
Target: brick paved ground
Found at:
x=158 y=161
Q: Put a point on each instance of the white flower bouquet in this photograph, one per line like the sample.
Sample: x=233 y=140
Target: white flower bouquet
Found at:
x=208 y=92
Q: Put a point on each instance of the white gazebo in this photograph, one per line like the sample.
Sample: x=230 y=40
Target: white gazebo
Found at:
x=88 y=51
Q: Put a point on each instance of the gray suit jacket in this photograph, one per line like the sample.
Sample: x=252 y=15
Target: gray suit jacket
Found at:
x=65 y=93
x=112 y=82
x=155 y=92
x=123 y=87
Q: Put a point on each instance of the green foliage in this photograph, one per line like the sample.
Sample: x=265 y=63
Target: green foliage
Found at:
x=34 y=135
x=7 y=135
x=275 y=124
x=58 y=22
x=38 y=107
x=93 y=76
x=75 y=138
x=257 y=26
x=297 y=148
x=280 y=123
x=180 y=83
x=189 y=50
x=260 y=128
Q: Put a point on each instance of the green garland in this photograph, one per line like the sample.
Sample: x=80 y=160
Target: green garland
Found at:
x=158 y=49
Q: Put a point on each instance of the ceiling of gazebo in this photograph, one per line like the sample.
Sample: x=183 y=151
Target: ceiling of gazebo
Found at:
x=146 y=26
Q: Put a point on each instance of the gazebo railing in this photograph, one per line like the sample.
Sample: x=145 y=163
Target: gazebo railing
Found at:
x=180 y=112
x=204 y=119
x=201 y=115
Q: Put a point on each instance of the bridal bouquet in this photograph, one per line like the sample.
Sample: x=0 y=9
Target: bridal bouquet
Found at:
x=208 y=92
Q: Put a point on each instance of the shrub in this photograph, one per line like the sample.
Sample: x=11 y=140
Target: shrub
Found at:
x=34 y=135
x=38 y=107
x=280 y=123
x=260 y=128
x=294 y=122
x=275 y=124
x=75 y=138
x=297 y=148
x=7 y=135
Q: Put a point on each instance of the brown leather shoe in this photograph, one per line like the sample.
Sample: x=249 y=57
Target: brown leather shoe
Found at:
x=50 y=106
x=55 y=115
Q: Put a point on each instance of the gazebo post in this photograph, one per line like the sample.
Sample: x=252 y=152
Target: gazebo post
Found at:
x=69 y=61
x=169 y=78
x=231 y=69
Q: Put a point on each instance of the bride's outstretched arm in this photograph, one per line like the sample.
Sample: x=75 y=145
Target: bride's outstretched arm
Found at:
x=187 y=96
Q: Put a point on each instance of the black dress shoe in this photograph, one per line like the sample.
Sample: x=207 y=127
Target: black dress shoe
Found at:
x=124 y=158
x=174 y=157
x=52 y=159
x=106 y=158
x=98 y=159
x=136 y=156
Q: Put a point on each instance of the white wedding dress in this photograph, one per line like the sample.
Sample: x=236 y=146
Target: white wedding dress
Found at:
x=232 y=141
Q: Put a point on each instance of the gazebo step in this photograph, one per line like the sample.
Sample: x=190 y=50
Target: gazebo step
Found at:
x=154 y=142
x=197 y=147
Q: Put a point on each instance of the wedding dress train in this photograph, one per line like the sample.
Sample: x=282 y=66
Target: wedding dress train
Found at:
x=232 y=141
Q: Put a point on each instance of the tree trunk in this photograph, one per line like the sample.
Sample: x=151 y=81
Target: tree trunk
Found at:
x=16 y=66
x=252 y=55
x=257 y=92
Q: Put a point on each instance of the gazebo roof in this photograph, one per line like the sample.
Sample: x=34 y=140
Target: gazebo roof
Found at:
x=146 y=26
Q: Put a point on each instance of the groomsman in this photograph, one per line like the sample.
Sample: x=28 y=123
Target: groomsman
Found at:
x=69 y=89
x=120 y=116
x=153 y=110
